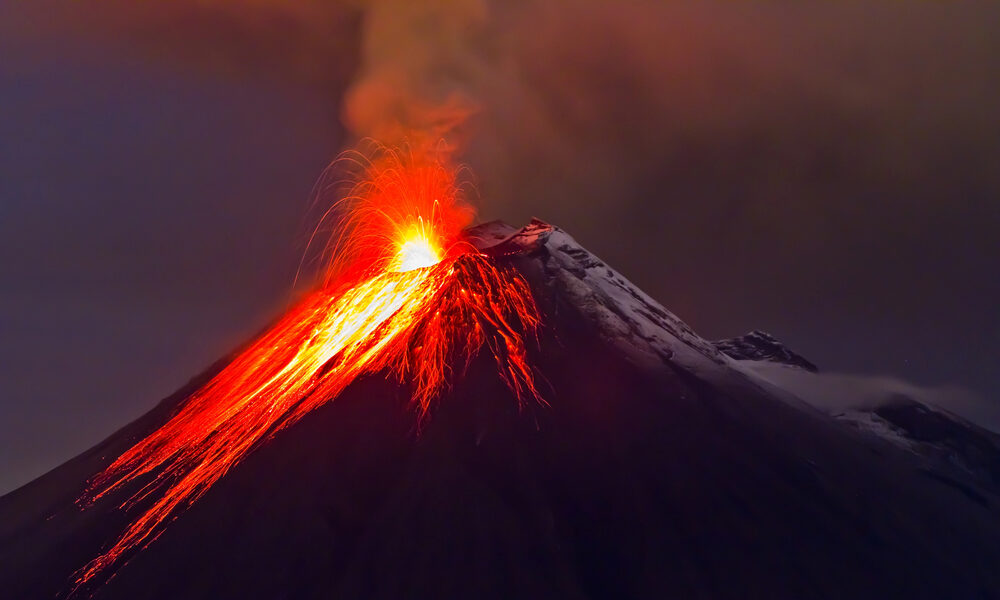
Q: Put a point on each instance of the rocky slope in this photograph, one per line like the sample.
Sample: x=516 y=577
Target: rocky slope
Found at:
x=660 y=466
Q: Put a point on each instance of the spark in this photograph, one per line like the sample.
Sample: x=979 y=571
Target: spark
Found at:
x=403 y=295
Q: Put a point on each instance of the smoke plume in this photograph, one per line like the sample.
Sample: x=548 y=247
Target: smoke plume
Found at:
x=421 y=62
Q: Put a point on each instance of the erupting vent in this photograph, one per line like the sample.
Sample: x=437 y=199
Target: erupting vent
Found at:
x=404 y=293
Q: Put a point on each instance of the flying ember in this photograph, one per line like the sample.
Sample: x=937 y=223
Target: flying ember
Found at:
x=402 y=293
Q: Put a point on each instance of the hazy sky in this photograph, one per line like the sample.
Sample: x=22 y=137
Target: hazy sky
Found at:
x=829 y=174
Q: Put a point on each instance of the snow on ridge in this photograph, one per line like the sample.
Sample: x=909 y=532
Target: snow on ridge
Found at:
x=946 y=425
x=761 y=346
x=638 y=324
x=651 y=335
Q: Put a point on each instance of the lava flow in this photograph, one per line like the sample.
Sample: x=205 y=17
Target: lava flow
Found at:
x=403 y=294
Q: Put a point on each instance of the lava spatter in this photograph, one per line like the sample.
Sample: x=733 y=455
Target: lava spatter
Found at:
x=403 y=293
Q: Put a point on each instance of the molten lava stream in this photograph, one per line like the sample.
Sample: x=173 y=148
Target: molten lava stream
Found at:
x=422 y=303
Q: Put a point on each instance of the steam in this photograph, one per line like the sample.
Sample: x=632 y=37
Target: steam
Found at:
x=837 y=393
x=421 y=62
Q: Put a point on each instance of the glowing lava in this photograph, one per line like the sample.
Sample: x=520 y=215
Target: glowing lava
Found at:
x=417 y=253
x=403 y=294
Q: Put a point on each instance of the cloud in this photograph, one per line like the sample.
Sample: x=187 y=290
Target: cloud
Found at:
x=838 y=393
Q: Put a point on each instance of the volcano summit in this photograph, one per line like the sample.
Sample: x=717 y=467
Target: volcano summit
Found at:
x=656 y=465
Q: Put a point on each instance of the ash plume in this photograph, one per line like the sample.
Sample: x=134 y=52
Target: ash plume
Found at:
x=420 y=65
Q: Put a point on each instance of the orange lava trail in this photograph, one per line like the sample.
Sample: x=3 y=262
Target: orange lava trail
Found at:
x=409 y=298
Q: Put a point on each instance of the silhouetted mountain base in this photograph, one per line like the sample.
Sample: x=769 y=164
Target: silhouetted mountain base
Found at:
x=659 y=469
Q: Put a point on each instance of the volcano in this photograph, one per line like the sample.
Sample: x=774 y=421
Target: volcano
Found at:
x=655 y=464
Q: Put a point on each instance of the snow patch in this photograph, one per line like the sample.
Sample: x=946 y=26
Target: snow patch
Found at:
x=646 y=331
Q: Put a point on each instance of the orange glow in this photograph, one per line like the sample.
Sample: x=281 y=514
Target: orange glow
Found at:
x=403 y=295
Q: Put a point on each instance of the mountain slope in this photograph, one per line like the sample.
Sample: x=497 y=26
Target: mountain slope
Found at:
x=661 y=467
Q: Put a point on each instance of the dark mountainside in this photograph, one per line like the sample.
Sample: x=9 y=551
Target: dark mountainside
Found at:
x=660 y=469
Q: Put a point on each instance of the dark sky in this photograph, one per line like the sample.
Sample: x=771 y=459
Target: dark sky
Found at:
x=831 y=175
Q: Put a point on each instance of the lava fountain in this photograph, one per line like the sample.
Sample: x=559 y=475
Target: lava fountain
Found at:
x=402 y=293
